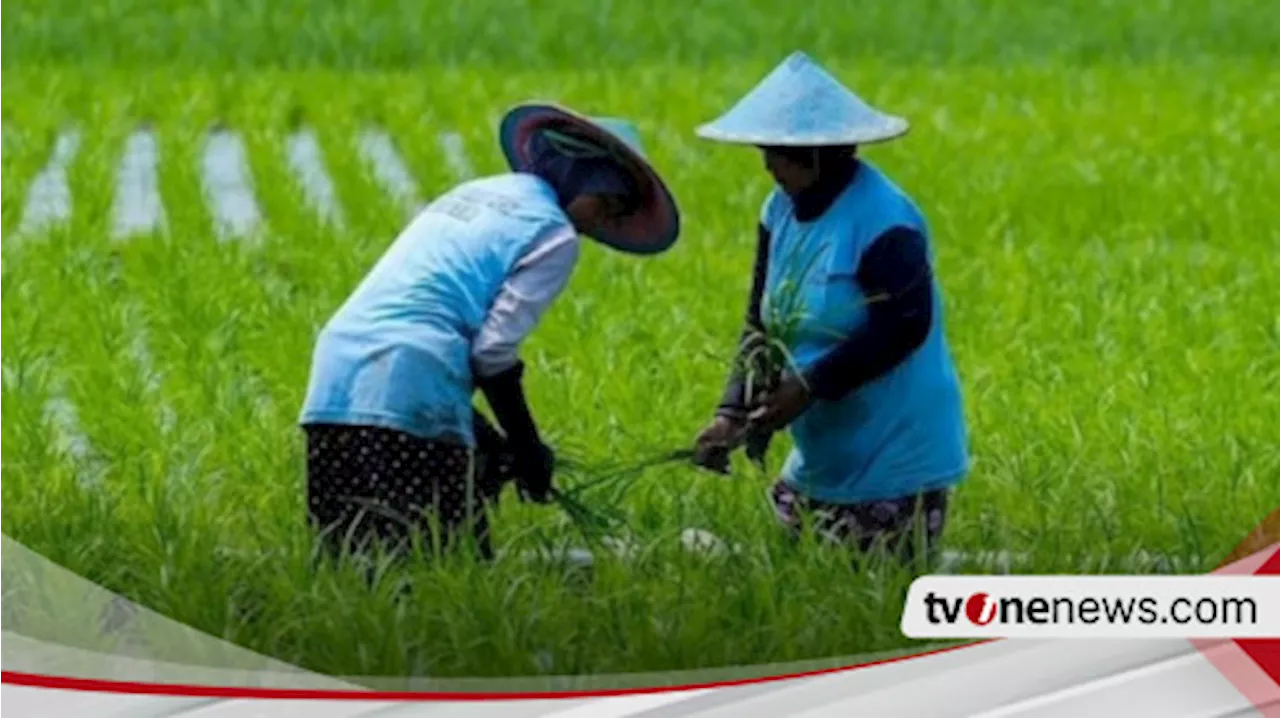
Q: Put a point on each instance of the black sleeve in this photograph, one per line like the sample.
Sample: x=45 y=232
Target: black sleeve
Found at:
x=505 y=393
x=896 y=278
x=733 y=400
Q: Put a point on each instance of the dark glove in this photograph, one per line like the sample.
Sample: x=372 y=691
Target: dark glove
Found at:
x=496 y=465
x=534 y=460
x=712 y=458
x=536 y=464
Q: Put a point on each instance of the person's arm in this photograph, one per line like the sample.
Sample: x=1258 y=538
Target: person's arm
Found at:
x=896 y=277
x=538 y=279
x=733 y=400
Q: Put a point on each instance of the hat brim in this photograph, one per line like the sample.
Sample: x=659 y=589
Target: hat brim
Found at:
x=890 y=129
x=801 y=104
x=652 y=228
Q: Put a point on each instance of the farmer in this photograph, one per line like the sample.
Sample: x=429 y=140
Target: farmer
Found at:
x=872 y=398
x=394 y=445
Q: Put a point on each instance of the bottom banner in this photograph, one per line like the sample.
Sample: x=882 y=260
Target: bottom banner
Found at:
x=1022 y=676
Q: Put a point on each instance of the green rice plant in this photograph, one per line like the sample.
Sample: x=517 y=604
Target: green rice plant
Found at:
x=766 y=353
x=603 y=516
x=556 y=35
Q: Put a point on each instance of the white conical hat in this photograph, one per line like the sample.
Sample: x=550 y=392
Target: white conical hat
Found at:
x=800 y=104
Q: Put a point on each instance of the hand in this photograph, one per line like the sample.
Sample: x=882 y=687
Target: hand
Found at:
x=757 y=445
x=780 y=407
x=535 y=465
x=715 y=441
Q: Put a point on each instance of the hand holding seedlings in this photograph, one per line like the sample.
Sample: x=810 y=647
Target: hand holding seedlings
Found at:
x=726 y=433
x=757 y=445
x=776 y=409
x=715 y=442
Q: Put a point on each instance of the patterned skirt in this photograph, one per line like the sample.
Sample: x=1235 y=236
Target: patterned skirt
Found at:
x=896 y=526
x=368 y=483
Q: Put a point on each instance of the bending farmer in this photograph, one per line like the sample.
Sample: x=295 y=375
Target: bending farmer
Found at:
x=842 y=276
x=394 y=445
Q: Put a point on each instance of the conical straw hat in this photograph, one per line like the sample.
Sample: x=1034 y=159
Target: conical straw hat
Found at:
x=655 y=226
x=800 y=104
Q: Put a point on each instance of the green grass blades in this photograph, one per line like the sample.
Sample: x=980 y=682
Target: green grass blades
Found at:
x=399 y=35
x=1105 y=245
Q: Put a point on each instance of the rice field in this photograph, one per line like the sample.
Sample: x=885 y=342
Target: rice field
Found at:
x=189 y=190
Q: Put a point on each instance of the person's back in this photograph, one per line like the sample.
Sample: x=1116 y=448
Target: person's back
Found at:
x=398 y=351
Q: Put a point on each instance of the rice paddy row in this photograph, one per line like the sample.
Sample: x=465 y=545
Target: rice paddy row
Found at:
x=227 y=181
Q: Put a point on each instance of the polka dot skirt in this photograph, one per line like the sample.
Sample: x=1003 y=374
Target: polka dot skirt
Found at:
x=370 y=482
x=894 y=524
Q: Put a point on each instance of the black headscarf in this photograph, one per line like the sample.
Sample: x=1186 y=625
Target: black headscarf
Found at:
x=836 y=167
x=575 y=176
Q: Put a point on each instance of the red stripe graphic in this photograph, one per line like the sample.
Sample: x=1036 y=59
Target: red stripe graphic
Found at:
x=1266 y=652
x=1252 y=665
x=194 y=691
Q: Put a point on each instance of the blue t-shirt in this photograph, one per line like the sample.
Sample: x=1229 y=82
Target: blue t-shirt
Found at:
x=900 y=434
x=398 y=353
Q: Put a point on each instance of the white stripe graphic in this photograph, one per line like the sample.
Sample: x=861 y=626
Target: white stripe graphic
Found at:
x=390 y=171
x=1146 y=686
x=228 y=186
x=138 y=208
x=49 y=703
x=973 y=679
x=240 y=708
x=623 y=706
x=306 y=159
x=49 y=198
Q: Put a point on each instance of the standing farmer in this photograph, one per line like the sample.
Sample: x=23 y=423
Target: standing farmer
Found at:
x=872 y=399
x=394 y=445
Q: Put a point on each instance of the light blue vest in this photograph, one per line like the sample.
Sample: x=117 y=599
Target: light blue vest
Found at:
x=901 y=434
x=397 y=354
